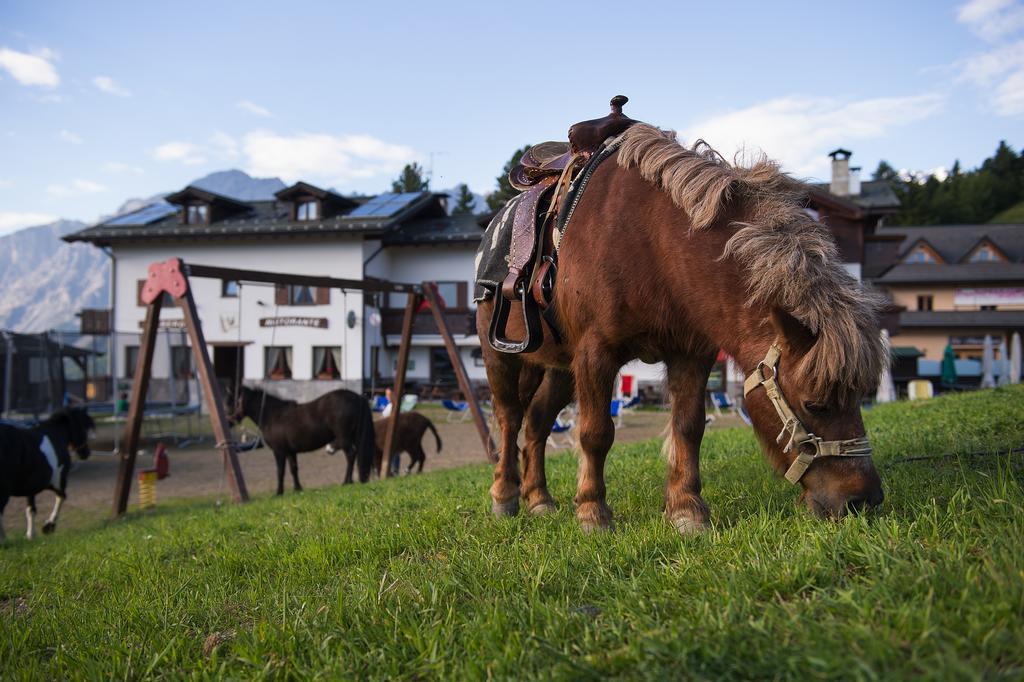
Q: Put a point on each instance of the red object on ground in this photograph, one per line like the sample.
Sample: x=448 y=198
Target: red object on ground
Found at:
x=161 y=462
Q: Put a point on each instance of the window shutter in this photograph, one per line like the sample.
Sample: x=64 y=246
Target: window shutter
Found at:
x=463 y=301
x=280 y=294
x=323 y=295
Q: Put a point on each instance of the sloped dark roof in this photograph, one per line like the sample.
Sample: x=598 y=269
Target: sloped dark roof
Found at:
x=463 y=228
x=962 y=318
x=935 y=273
x=876 y=196
x=253 y=218
x=191 y=193
x=300 y=188
x=953 y=242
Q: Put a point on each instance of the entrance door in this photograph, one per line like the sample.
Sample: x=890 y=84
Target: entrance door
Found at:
x=228 y=366
x=442 y=374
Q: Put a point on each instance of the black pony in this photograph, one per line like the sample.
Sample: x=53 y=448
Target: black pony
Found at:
x=340 y=418
x=36 y=459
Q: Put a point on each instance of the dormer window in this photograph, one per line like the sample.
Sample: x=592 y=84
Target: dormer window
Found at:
x=307 y=210
x=986 y=253
x=197 y=214
x=922 y=253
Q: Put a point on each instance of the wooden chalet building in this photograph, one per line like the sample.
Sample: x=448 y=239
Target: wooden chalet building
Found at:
x=302 y=339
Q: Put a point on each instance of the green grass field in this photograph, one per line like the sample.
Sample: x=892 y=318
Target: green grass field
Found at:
x=414 y=579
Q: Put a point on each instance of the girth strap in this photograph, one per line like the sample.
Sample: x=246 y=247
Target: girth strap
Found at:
x=808 y=446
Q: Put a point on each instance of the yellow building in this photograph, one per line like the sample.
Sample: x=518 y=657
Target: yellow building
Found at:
x=953 y=284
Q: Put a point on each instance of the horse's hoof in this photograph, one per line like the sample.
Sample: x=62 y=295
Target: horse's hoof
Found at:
x=686 y=525
x=595 y=518
x=505 y=509
x=49 y=527
x=543 y=509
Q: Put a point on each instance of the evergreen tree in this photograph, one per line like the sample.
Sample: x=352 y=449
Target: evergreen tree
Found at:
x=411 y=180
x=464 y=200
x=505 y=191
x=885 y=172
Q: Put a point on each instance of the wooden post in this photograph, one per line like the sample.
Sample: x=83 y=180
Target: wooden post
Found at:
x=214 y=398
x=430 y=293
x=411 y=304
x=140 y=385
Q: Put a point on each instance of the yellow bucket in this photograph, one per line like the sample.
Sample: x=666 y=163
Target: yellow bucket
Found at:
x=147 y=488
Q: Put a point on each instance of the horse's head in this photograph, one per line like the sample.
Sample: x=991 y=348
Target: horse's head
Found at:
x=234 y=404
x=79 y=427
x=813 y=429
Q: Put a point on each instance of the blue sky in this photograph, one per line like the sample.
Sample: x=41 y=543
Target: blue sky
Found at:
x=102 y=101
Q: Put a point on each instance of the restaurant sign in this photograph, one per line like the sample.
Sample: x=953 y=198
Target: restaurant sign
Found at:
x=989 y=296
x=168 y=323
x=309 y=322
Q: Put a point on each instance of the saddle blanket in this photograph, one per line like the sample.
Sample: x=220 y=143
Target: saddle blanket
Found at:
x=492 y=255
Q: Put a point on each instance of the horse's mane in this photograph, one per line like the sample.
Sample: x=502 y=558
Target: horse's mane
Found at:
x=790 y=259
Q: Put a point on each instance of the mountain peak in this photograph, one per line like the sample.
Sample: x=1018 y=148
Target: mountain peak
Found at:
x=237 y=184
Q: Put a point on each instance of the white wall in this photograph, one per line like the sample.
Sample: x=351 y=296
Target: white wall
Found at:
x=339 y=257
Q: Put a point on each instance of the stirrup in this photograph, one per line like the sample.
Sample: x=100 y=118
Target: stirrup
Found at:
x=531 y=318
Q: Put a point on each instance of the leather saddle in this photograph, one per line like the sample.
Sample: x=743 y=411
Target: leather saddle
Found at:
x=545 y=174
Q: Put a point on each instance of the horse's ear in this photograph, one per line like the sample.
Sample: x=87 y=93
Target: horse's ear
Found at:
x=796 y=335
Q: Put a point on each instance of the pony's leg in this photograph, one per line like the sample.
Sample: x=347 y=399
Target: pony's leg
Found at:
x=350 y=464
x=293 y=464
x=684 y=507
x=416 y=456
x=30 y=518
x=503 y=376
x=3 y=503
x=279 y=458
x=551 y=397
x=51 y=522
x=594 y=368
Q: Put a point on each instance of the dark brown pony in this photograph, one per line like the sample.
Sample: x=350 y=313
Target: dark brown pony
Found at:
x=340 y=419
x=412 y=426
x=672 y=254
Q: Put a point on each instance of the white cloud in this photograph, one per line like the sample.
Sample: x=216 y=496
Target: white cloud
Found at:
x=11 y=221
x=224 y=146
x=184 y=152
x=76 y=188
x=1001 y=72
x=320 y=157
x=110 y=86
x=70 y=137
x=30 y=69
x=253 y=108
x=992 y=19
x=118 y=167
x=799 y=131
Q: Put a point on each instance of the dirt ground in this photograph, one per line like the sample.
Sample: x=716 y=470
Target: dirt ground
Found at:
x=197 y=470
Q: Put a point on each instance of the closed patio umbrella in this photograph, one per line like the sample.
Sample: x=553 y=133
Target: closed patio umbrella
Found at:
x=1003 y=365
x=987 y=360
x=1015 y=358
x=886 y=389
x=948 y=367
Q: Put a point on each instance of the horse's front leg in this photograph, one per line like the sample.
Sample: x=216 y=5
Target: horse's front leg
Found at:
x=551 y=397
x=51 y=522
x=503 y=376
x=30 y=518
x=594 y=368
x=3 y=504
x=684 y=507
x=293 y=464
x=350 y=463
x=279 y=458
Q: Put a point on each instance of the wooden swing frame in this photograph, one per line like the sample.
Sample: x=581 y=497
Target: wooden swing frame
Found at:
x=172 y=277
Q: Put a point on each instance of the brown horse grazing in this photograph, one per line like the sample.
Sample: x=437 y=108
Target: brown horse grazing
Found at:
x=408 y=438
x=341 y=419
x=672 y=254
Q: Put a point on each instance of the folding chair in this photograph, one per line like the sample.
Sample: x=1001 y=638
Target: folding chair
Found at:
x=564 y=424
x=458 y=410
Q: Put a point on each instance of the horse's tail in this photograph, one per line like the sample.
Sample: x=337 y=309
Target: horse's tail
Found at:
x=366 y=445
x=430 y=425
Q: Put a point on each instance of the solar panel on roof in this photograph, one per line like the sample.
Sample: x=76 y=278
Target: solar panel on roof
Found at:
x=144 y=216
x=385 y=205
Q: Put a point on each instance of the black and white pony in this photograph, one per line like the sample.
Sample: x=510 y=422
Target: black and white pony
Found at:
x=36 y=459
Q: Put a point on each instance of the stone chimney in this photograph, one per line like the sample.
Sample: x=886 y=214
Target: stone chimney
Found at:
x=854 y=181
x=840 y=185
